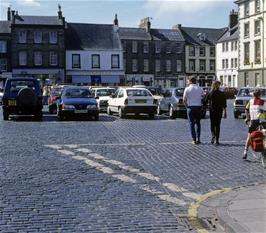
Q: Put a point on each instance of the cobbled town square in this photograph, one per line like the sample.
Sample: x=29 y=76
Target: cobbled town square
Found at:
x=133 y=116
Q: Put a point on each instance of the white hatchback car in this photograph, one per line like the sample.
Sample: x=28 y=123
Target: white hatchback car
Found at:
x=132 y=100
x=102 y=95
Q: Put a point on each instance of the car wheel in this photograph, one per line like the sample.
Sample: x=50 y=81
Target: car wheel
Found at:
x=151 y=116
x=60 y=116
x=38 y=116
x=172 y=113
x=96 y=117
x=121 y=113
x=5 y=116
x=51 y=110
x=159 y=111
x=109 y=112
x=235 y=115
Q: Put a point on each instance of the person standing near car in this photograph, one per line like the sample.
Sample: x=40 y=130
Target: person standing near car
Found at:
x=217 y=106
x=192 y=99
x=254 y=113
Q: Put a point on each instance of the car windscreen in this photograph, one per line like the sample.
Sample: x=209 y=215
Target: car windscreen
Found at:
x=56 y=91
x=138 y=92
x=155 y=91
x=179 y=92
x=104 y=92
x=245 y=92
x=77 y=93
x=16 y=85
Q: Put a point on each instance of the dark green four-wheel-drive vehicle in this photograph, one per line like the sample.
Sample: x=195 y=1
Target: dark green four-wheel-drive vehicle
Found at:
x=22 y=97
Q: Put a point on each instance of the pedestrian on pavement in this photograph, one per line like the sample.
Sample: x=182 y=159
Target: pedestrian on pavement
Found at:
x=254 y=112
x=192 y=98
x=217 y=106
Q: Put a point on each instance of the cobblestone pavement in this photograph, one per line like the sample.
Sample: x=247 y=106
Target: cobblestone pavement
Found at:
x=131 y=175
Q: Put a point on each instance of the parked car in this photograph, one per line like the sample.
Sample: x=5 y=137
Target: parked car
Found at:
x=230 y=92
x=77 y=101
x=52 y=99
x=172 y=103
x=102 y=95
x=22 y=96
x=132 y=100
x=242 y=98
x=1 y=95
x=155 y=91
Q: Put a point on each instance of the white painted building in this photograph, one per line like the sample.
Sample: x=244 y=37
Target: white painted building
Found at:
x=94 y=55
x=227 y=54
x=200 y=53
x=252 y=42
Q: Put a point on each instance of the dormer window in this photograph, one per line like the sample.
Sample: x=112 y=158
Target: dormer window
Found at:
x=201 y=36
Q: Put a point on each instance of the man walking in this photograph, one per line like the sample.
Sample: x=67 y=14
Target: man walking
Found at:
x=192 y=98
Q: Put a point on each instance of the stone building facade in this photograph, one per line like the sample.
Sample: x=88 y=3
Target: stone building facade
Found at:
x=38 y=46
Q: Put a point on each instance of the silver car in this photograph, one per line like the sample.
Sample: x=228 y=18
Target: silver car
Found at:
x=172 y=103
x=242 y=98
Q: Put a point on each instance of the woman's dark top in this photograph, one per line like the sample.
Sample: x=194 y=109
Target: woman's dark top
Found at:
x=216 y=100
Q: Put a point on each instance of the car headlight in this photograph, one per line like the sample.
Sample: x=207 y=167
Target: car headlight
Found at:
x=92 y=106
x=67 y=107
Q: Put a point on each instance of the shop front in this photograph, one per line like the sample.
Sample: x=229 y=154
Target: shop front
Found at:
x=140 y=79
x=54 y=76
x=97 y=80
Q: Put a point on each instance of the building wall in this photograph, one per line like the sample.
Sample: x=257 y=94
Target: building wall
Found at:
x=207 y=74
x=225 y=74
x=6 y=56
x=252 y=67
x=86 y=60
x=45 y=47
x=162 y=78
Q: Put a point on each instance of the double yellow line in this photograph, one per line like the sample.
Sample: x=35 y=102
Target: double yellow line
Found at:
x=193 y=209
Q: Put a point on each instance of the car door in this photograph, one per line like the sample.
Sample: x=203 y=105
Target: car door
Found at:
x=112 y=101
x=166 y=100
x=120 y=99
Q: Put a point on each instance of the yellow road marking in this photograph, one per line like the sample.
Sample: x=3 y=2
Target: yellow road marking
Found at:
x=193 y=209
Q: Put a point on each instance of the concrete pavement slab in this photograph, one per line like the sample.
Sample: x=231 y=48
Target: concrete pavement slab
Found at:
x=241 y=210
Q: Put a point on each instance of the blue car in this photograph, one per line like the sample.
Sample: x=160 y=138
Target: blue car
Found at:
x=77 y=102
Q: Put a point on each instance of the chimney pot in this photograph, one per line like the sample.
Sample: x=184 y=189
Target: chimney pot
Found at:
x=9 y=13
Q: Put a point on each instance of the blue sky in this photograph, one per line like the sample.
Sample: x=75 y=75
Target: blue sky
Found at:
x=165 y=14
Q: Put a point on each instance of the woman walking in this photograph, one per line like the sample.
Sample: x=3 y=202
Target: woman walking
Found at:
x=217 y=106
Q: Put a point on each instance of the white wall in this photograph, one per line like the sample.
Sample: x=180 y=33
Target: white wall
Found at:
x=86 y=60
x=226 y=72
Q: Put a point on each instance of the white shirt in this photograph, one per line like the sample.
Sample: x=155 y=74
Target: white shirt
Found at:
x=193 y=93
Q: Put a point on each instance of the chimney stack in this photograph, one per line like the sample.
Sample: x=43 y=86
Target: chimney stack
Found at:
x=233 y=19
x=9 y=13
x=13 y=16
x=178 y=26
x=145 y=24
x=60 y=14
x=116 y=26
x=116 y=20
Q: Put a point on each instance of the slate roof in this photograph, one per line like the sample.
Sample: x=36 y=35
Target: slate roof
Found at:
x=5 y=27
x=80 y=36
x=167 y=34
x=126 y=33
x=37 y=20
x=230 y=34
x=191 y=35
